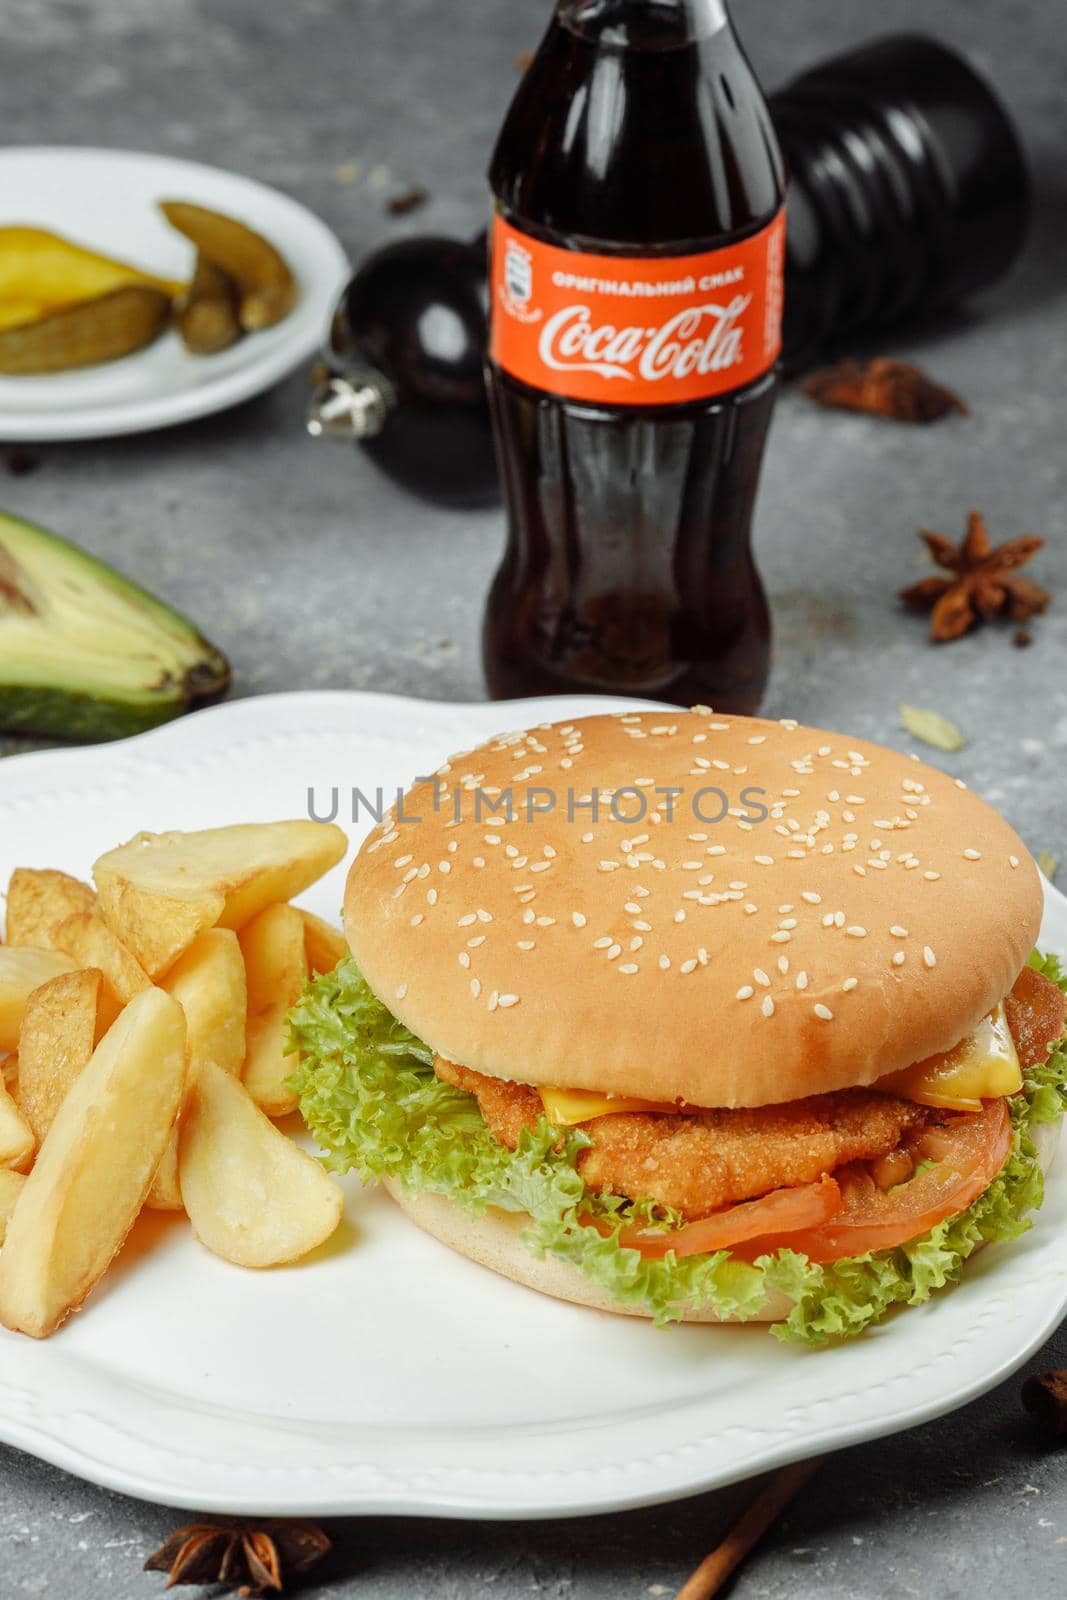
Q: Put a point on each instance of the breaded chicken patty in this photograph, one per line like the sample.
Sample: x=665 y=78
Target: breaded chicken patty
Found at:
x=700 y=1161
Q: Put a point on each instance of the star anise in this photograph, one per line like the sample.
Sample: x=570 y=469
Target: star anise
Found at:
x=884 y=388
x=255 y=1558
x=984 y=581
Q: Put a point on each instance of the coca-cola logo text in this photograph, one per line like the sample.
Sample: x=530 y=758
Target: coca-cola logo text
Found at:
x=698 y=339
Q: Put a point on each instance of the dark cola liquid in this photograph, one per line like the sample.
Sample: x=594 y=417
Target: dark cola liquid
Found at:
x=638 y=131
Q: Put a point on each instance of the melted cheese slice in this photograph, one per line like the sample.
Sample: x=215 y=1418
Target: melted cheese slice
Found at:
x=983 y=1066
x=566 y=1107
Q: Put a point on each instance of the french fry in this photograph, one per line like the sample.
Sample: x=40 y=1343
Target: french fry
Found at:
x=324 y=945
x=17 y=1143
x=276 y=969
x=208 y=981
x=95 y=1167
x=253 y=1196
x=21 y=970
x=87 y=938
x=38 y=900
x=56 y=1042
x=157 y=928
x=249 y=866
x=11 y=1185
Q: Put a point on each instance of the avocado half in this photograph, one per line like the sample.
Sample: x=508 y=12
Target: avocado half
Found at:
x=85 y=654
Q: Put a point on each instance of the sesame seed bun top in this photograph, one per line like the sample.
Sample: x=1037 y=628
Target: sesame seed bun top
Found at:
x=686 y=946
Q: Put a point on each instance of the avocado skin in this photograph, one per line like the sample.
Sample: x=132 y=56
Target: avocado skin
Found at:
x=62 y=708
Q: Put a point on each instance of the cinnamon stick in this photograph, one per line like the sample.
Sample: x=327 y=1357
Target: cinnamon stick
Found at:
x=748 y=1530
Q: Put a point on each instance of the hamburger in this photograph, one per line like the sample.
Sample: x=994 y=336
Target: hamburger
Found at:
x=695 y=1018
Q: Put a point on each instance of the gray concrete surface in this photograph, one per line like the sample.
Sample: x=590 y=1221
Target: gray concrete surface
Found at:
x=313 y=571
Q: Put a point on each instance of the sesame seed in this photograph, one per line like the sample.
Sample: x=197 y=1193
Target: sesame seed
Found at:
x=688 y=966
x=602 y=944
x=608 y=866
x=767 y=1006
x=929 y=959
x=508 y=1000
x=781 y=937
x=898 y=932
x=494 y=1000
x=664 y=963
x=1014 y=861
x=783 y=965
x=465 y=922
x=546 y=922
x=823 y=1013
x=587 y=838
x=788 y=922
x=635 y=944
x=783 y=911
x=839 y=919
x=764 y=861
x=615 y=951
x=972 y=855
x=715 y=850
x=750 y=909
x=761 y=977
x=679 y=916
x=526 y=944
x=431 y=897
x=528 y=917
x=476 y=942
x=848 y=985
x=899 y=958
x=931 y=877
x=856 y=932
x=402 y=991
x=578 y=919
x=745 y=992
x=802 y=980
x=628 y=967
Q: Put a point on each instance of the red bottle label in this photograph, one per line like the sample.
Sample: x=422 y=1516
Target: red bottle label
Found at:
x=638 y=331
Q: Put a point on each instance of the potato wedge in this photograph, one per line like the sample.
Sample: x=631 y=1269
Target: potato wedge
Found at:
x=11 y=1186
x=21 y=971
x=157 y=928
x=208 y=982
x=17 y=1142
x=38 y=900
x=250 y=865
x=276 y=969
x=56 y=1043
x=324 y=945
x=253 y=1196
x=87 y=938
x=95 y=1167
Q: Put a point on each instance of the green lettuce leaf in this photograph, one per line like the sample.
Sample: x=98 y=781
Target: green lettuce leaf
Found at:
x=369 y=1095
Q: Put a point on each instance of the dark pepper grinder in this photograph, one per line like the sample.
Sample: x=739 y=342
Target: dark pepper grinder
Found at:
x=403 y=370
x=909 y=190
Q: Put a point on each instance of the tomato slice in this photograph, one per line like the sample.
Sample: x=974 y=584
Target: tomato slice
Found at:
x=966 y=1153
x=783 y=1211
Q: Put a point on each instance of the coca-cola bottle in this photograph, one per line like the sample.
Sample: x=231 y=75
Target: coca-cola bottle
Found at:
x=636 y=285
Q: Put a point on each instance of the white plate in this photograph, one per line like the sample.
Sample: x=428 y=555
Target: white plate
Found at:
x=106 y=199
x=391 y=1375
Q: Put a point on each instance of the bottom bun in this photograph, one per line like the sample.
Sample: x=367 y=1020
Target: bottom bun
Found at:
x=494 y=1240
